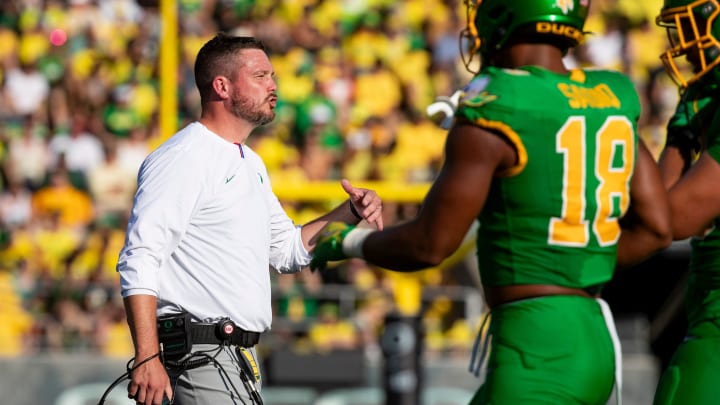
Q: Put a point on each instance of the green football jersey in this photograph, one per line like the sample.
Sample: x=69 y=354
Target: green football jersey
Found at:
x=553 y=218
x=698 y=113
x=696 y=109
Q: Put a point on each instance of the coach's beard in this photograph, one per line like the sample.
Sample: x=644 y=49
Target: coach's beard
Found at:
x=243 y=107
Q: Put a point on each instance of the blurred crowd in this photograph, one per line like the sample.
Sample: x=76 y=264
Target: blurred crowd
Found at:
x=79 y=105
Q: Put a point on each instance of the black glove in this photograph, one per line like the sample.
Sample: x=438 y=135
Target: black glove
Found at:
x=684 y=139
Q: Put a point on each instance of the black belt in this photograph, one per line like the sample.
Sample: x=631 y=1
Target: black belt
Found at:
x=224 y=331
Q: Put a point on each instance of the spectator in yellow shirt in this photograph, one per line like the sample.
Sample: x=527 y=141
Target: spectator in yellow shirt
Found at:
x=73 y=205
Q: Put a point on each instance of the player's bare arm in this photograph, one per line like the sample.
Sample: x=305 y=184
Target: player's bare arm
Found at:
x=673 y=163
x=646 y=225
x=472 y=157
x=695 y=199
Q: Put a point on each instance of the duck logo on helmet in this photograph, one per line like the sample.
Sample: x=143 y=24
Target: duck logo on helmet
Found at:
x=565 y=5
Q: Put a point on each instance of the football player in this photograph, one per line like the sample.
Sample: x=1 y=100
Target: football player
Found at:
x=549 y=161
x=690 y=170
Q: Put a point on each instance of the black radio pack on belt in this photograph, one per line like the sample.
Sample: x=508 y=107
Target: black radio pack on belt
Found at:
x=178 y=333
x=174 y=335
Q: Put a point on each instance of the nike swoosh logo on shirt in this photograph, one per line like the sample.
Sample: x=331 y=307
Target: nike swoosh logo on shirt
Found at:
x=228 y=179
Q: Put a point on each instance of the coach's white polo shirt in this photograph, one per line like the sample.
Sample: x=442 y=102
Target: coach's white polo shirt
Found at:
x=205 y=228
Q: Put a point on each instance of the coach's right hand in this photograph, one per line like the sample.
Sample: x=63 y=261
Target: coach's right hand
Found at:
x=149 y=383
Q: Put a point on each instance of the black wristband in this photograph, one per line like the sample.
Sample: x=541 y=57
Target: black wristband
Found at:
x=354 y=211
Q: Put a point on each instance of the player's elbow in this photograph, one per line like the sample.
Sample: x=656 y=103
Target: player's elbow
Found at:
x=429 y=260
x=656 y=234
x=662 y=235
x=433 y=254
x=664 y=239
x=658 y=226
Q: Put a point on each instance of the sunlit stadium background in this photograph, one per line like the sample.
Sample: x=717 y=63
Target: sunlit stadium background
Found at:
x=89 y=87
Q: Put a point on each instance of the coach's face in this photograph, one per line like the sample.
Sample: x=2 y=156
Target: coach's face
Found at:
x=253 y=94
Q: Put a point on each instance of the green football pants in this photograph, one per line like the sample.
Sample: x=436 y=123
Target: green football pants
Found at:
x=693 y=375
x=550 y=350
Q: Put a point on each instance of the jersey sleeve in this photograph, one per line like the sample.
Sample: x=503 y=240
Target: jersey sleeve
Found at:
x=490 y=102
x=487 y=99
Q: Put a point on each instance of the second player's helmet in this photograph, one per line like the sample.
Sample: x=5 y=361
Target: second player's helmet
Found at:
x=693 y=29
x=492 y=23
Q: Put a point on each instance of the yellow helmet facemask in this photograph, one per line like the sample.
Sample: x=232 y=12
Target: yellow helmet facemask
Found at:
x=690 y=31
x=469 y=38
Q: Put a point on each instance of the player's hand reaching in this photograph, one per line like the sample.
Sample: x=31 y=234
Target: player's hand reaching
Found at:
x=330 y=245
x=366 y=203
x=338 y=241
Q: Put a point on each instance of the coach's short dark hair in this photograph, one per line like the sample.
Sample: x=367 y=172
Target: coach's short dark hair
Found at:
x=218 y=57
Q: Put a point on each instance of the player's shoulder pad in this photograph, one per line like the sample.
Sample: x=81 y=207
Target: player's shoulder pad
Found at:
x=486 y=86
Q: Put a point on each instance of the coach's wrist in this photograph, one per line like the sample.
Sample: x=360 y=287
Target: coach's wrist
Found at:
x=354 y=211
